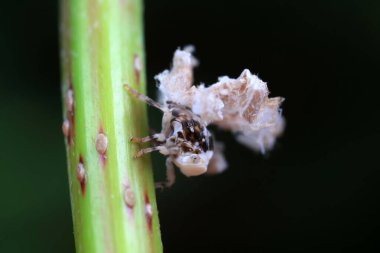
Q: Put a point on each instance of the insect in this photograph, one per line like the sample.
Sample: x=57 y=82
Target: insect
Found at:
x=240 y=105
x=184 y=139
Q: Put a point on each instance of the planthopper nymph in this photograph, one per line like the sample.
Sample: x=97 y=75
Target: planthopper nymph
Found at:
x=240 y=105
x=184 y=139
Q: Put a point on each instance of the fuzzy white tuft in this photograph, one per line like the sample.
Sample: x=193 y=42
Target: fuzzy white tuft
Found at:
x=241 y=105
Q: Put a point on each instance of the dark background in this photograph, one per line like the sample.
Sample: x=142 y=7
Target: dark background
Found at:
x=316 y=192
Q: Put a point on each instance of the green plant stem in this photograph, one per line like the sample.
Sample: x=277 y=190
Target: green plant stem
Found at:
x=101 y=50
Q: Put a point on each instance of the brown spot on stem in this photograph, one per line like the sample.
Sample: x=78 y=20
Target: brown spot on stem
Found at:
x=69 y=100
x=66 y=128
x=70 y=111
x=137 y=68
x=101 y=145
x=81 y=175
x=148 y=211
x=129 y=197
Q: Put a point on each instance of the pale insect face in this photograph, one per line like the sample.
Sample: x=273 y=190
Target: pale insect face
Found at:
x=193 y=164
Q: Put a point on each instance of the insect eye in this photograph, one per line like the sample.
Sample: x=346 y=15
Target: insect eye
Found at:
x=175 y=113
x=195 y=158
x=180 y=135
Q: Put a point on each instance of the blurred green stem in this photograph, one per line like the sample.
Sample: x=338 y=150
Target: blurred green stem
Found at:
x=112 y=195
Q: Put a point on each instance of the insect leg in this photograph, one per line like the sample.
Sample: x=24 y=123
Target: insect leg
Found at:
x=159 y=137
x=170 y=172
x=144 y=98
x=170 y=175
x=144 y=151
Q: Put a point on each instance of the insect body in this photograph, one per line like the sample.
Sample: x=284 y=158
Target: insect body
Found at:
x=184 y=139
x=240 y=105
